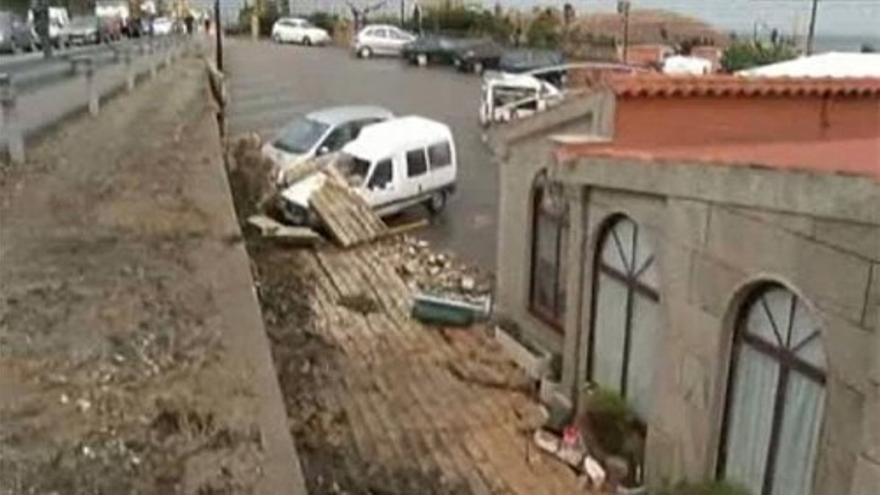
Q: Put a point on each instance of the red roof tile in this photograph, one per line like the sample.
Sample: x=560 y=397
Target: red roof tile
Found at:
x=859 y=156
x=660 y=85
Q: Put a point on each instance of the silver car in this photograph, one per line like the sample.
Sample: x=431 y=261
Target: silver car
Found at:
x=320 y=132
x=380 y=39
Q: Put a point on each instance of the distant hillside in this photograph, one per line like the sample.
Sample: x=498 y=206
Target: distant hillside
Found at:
x=650 y=26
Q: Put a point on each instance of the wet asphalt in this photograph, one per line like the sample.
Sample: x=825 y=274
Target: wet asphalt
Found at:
x=271 y=84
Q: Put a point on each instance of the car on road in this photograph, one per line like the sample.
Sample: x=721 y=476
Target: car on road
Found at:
x=522 y=60
x=163 y=26
x=436 y=49
x=58 y=20
x=380 y=39
x=393 y=165
x=318 y=133
x=82 y=30
x=16 y=33
x=505 y=97
x=478 y=57
x=297 y=30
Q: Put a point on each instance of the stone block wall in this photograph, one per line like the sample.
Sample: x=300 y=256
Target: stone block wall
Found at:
x=710 y=256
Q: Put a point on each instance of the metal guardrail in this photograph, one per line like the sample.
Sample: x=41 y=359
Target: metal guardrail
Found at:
x=36 y=94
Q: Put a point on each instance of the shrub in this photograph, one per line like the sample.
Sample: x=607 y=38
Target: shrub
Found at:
x=610 y=420
x=704 y=488
x=745 y=55
x=325 y=21
x=463 y=21
x=267 y=18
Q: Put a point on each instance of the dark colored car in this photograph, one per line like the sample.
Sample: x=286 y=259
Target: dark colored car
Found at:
x=530 y=59
x=478 y=57
x=16 y=34
x=436 y=49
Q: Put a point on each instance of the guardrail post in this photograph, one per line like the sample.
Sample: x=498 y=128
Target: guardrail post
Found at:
x=11 y=125
x=129 y=69
x=167 y=51
x=88 y=65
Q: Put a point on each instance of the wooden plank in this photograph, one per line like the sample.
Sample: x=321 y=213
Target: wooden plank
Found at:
x=345 y=213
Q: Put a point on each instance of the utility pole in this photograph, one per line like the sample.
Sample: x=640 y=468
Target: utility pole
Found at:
x=623 y=8
x=218 y=31
x=812 y=31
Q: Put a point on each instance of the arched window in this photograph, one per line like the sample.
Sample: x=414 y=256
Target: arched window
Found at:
x=549 y=245
x=775 y=396
x=626 y=313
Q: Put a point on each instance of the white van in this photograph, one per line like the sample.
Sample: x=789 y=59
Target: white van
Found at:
x=393 y=165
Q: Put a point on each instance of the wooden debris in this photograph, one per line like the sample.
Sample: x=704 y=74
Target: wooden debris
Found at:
x=347 y=216
x=407 y=227
x=271 y=228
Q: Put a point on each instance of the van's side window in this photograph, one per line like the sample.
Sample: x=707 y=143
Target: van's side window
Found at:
x=416 y=164
x=382 y=175
x=439 y=155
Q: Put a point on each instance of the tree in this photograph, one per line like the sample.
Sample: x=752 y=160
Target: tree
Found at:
x=867 y=48
x=742 y=55
x=544 y=31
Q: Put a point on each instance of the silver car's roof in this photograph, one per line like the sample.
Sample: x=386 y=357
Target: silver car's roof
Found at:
x=337 y=115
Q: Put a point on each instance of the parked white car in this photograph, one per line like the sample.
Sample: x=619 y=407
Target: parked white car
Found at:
x=380 y=39
x=318 y=133
x=393 y=165
x=163 y=26
x=296 y=30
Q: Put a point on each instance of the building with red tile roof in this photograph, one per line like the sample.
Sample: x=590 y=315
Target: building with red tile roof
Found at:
x=708 y=248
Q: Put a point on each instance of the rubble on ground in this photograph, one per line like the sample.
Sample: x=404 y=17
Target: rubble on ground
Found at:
x=428 y=271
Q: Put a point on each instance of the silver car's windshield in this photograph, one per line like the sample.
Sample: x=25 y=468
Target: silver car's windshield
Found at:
x=353 y=169
x=300 y=135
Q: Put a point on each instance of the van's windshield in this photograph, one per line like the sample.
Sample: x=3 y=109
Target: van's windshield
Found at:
x=354 y=169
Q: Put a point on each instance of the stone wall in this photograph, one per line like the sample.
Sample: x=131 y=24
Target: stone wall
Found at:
x=721 y=231
x=711 y=254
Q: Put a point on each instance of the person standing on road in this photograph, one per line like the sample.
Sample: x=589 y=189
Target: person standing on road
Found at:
x=40 y=9
x=417 y=18
x=189 y=20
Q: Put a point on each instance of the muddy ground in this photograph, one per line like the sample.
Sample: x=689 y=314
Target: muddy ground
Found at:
x=117 y=375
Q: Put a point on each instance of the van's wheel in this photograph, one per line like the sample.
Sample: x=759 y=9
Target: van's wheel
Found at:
x=365 y=52
x=307 y=41
x=421 y=60
x=276 y=38
x=436 y=203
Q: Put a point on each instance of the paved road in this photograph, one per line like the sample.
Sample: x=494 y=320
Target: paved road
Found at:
x=270 y=84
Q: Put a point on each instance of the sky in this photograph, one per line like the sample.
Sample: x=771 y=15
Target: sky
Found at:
x=836 y=17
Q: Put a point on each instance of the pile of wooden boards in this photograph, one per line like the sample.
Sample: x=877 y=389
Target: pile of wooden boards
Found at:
x=345 y=214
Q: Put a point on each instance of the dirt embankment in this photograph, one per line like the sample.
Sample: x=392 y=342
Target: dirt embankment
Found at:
x=116 y=370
